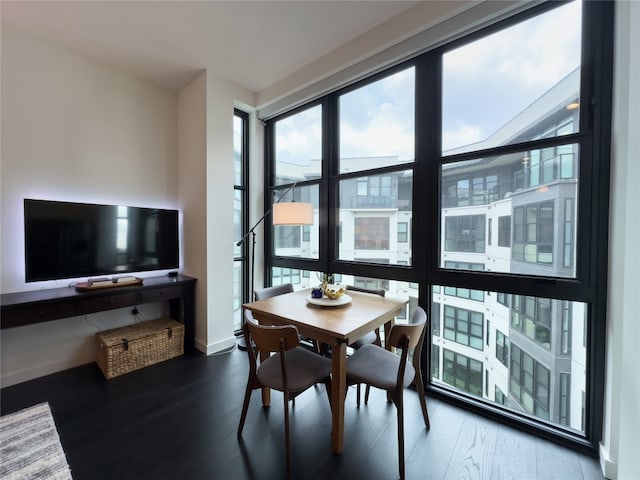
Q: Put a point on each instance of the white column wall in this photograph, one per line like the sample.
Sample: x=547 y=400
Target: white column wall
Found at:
x=621 y=434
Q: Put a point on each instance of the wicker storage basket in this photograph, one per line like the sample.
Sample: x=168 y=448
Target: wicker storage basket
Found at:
x=125 y=349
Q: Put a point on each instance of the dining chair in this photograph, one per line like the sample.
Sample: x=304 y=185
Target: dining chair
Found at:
x=384 y=369
x=369 y=338
x=269 y=292
x=291 y=369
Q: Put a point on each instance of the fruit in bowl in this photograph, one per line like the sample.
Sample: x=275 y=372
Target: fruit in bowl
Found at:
x=333 y=291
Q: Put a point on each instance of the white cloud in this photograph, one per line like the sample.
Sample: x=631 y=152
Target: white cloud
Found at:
x=463 y=134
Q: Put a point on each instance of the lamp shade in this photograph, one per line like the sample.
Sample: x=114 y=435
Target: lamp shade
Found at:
x=292 y=213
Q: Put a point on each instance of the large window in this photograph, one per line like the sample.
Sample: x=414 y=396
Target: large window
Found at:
x=240 y=215
x=470 y=179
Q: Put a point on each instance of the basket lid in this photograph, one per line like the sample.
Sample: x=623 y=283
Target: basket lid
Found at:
x=117 y=336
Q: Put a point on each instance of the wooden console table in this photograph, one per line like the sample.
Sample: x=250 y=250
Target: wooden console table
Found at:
x=27 y=308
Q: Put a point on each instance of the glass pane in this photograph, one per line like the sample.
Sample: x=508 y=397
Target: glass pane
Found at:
x=542 y=217
x=529 y=364
x=237 y=222
x=237 y=149
x=237 y=294
x=495 y=87
x=297 y=240
x=372 y=210
x=377 y=123
x=298 y=149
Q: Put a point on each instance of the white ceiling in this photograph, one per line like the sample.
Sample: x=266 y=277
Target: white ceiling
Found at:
x=252 y=43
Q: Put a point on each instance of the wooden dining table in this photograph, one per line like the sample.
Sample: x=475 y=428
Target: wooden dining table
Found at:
x=335 y=325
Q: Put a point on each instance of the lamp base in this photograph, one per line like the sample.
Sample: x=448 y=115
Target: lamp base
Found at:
x=240 y=343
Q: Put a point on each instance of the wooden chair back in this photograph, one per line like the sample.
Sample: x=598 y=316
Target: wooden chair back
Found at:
x=413 y=332
x=269 y=292
x=270 y=339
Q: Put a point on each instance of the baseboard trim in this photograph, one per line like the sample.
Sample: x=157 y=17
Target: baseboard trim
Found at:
x=215 y=347
x=43 y=369
x=609 y=467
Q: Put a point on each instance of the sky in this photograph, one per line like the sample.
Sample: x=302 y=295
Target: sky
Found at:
x=485 y=84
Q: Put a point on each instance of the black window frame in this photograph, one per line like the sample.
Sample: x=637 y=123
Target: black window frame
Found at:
x=593 y=139
x=243 y=189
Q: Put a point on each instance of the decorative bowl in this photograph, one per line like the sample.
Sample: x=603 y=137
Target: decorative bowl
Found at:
x=333 y=291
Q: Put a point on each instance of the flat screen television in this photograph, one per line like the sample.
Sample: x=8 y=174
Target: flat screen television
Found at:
x=75 y=240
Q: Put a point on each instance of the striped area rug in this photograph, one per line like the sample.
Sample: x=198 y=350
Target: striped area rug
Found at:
x=30 y=447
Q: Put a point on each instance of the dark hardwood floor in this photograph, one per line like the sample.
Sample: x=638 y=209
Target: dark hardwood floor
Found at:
x=178 y=420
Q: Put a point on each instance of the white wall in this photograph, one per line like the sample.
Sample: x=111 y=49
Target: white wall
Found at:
x=206 y=179
x=74 y=129
x=621 y=440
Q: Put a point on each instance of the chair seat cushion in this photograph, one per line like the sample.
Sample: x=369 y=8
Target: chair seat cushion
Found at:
x=377 y=367
x=366 y=340
x=304 y=368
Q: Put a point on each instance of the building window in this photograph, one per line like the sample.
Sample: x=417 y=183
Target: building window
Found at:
x=565 y=329
x=463 y=326
x=462 y=372
x=470 y=190
x=502 y=348
x=464 y=265
x=282 y=275
x=500 y=396
x=529 y=382
x=435 y=361
x=403 y=232
x=533 y=233
x=435 y=319
x=532 y=316
x=489 y=232
x=464 y=233
x=288 y=236
x=567 y=257
x=470 y=294
x=371 y=283
x=488 y=331
x=380 y=186
x=503 y=299
x=565 y=399
x=371 y=233
x=504 y=231
x=306 y=233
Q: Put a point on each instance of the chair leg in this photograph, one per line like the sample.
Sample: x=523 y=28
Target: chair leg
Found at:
x=366 y=394
x=245 y=407
x=287 y=439
x=423 y=400
x=399 y=405
x=358 y=395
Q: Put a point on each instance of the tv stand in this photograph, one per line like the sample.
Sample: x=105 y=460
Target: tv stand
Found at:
x=27 y=308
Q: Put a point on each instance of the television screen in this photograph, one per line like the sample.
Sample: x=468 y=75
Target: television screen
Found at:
x=73 y=240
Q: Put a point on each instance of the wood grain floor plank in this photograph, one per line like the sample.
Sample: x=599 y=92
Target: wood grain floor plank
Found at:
x=178 y=420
